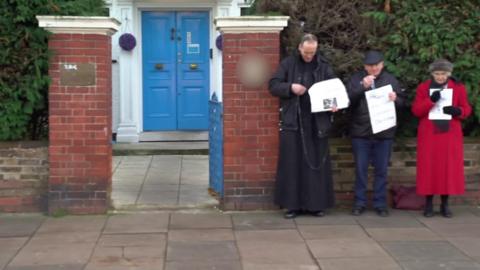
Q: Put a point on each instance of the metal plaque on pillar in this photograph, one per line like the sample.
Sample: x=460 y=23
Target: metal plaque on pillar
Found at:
x=77 y=74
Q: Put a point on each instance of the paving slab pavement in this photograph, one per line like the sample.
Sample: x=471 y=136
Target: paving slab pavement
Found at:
x=160 y=182
x=256 y=240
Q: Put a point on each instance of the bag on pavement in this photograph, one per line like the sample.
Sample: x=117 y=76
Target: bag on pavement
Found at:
x=407 y=198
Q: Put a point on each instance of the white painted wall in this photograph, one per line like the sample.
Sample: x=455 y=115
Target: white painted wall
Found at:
x=127 y=72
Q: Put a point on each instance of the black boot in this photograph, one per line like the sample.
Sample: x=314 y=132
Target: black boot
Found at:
x=444 y=209
x=428 y=211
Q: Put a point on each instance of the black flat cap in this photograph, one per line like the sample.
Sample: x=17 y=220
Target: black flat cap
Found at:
x=372 y=58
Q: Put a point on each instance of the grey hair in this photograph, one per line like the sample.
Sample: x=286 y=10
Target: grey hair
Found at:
x=308 y=38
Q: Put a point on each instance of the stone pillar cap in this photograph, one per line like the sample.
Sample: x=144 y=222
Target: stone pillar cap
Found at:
x=79 y=24
x=251 y=24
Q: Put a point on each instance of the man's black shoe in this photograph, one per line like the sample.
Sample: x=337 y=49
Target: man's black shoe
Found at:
x=382 y=212
x=290 y=214
x=318 y=213
x=358 y=210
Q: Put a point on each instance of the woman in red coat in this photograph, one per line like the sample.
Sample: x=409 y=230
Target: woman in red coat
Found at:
x=440 y=141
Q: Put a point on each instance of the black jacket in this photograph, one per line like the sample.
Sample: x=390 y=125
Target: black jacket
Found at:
x=289 y=72
x=360 y=126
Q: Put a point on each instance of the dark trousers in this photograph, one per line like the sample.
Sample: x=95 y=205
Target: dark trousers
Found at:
x=377 y=152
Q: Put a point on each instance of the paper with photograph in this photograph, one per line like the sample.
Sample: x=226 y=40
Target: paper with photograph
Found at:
x=381 y=109
x=327 y=94
x=436 y=113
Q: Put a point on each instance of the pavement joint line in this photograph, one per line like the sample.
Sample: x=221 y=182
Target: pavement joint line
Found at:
x=167 y=235
x=180 y=179
x=144 y=179
x=118 y=164
x=132 y=233
x=309 y=250
x=382 y=246
x=445 y=238
x=96 y=242
x=25 y=244
x=192 y=210
x=153 y=207
x=242 y=266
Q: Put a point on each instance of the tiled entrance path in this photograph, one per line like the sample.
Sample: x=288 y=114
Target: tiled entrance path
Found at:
x=207 y=239
x=161 y=182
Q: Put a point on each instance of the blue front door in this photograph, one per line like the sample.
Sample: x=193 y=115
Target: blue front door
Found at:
x=175 y=70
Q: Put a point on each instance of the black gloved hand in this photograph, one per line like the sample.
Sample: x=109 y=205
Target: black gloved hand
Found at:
x=435 y=96
x=452 y=110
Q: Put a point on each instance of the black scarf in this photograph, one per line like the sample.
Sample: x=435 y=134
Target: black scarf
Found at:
x=441 y=126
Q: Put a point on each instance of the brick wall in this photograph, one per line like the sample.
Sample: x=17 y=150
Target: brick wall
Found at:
x=402 y=169
x=250 y=126
x=23 y=176
x=80 y=126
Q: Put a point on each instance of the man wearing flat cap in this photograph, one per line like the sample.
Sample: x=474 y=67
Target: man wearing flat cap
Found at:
x=368 y=147
x=440 y=168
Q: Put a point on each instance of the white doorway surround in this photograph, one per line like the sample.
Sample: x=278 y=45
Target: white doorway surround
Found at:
x=127 y=120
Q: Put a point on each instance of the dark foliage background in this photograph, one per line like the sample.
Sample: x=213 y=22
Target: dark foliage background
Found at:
x=24 y=63
x=410 y=33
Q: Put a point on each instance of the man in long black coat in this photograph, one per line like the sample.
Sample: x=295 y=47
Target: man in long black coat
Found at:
x=304 y=178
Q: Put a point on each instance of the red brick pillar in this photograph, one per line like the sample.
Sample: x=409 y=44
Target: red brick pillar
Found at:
x=80 y=113
x=250 y=112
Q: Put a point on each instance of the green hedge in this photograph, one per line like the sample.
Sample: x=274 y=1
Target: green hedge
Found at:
x=24 y=63
x=410 y=33
x=417 y=32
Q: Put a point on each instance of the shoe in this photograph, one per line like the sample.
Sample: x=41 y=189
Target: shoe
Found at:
x=428 y=213
x=358 y=210
x=289 y=214
x=318 y=213
x=446 y=211
x=382 y=212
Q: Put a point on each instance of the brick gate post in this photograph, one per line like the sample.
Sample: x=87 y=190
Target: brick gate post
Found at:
x=80 y=113
x=251 y=47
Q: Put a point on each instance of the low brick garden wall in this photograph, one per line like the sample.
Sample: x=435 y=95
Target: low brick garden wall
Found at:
x=24 y=173
x=402 y=169
x=23 y=176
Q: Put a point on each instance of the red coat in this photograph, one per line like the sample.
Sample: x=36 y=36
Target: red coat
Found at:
x=440 y=155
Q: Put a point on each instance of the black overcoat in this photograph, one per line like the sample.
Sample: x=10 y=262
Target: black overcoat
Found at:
x=304 y=178
x=360 y=126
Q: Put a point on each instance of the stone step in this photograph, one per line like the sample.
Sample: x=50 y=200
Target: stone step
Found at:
x=161 y=148
x=125 y=208
x=172 y=136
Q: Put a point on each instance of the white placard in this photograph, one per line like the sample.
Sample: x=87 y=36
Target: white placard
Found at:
x=436 y=113
x=327 y=94
x=381 y=109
